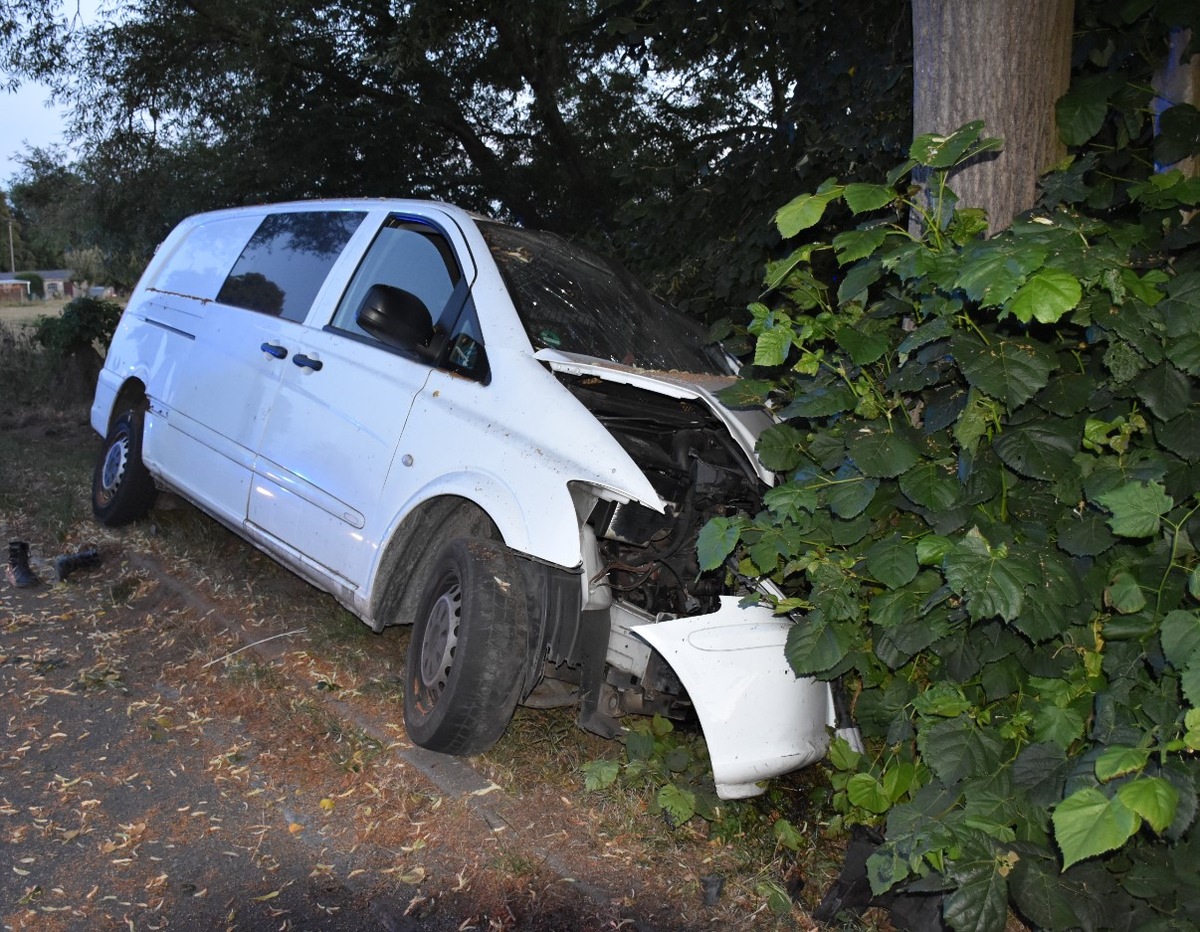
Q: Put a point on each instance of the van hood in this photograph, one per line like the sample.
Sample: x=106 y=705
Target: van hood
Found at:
x=744 y=426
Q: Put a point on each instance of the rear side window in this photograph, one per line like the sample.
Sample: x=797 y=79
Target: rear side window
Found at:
x=200 y=262
x=286 y=262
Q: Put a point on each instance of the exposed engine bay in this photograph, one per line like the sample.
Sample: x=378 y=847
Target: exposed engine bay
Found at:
x=694 y=465
x=646 y=560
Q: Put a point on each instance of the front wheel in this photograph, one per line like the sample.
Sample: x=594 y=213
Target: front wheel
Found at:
x=122 y=488
x=468 y=649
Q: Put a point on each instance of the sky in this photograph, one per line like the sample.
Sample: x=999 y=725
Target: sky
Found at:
x=27 y=122
x=25 y=119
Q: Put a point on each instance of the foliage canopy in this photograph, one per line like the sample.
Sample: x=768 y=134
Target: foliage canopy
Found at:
x=613 y=121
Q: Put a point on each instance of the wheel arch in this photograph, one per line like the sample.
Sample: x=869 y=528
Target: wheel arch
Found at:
x=402 y=568
x=132 y=394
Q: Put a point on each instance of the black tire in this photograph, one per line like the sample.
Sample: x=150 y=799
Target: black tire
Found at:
x=467 y=652
x=122 y=488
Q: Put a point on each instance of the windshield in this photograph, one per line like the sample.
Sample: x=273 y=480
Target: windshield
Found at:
x=572 y=300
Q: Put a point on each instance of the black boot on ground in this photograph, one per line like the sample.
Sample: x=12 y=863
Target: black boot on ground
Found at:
x=70 y=562
x=19 y=574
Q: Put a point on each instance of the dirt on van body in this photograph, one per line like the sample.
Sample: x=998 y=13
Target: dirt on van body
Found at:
x=196 y=739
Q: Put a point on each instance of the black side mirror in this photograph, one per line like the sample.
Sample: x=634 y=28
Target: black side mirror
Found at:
x=396 y=317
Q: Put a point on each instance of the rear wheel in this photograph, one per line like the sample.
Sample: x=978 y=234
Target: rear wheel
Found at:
x=468 y=649
x=122 y=488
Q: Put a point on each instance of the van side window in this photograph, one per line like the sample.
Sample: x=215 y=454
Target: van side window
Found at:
x=410 y=256
x=287 y=260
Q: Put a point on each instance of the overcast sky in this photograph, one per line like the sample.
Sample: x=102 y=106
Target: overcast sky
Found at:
x=27 y=121
x=25 y=118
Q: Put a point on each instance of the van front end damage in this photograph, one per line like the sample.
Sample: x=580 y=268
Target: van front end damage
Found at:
x=657 y=635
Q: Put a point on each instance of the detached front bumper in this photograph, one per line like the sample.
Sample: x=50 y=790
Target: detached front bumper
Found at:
x=759 y=719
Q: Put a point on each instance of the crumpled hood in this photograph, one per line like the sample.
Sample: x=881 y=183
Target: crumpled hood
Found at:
x=743 y=426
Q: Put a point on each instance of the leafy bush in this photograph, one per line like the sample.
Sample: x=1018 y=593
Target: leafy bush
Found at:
x=990 y=454
x=37 y=285
x=84 y=324
x=666 y=762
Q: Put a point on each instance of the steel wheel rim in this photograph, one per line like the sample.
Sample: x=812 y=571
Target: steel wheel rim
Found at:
x=440 y=639
x=115 y=461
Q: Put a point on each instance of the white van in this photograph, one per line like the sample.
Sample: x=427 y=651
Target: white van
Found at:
x=479 y=430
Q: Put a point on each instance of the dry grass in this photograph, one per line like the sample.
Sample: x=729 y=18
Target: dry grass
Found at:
x=26 y=312
x=330 y=661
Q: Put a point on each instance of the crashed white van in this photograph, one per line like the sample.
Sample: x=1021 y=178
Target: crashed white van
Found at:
x=475 y=429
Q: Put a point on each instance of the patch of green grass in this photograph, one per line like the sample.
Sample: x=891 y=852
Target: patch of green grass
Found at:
x=123 y=590
x=246 y=671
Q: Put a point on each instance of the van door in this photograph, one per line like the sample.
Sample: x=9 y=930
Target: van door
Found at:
x=207 y=418
x=342 y=403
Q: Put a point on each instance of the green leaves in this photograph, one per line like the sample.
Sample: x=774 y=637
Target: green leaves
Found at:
x=990 y=519
x=1081 y=111
x=936 y=151
x=1009 y=370
x=781 y=447
x=881 y=453
x=717 y=540
x=1088 y=823
x=992 y=583
x=1046 y=297
x=1137 y=508
x=806 y=210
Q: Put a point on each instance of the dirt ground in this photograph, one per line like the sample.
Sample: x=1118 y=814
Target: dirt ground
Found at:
x=196 y=739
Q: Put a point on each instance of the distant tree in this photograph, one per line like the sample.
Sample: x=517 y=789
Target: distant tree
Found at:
x=47 y=201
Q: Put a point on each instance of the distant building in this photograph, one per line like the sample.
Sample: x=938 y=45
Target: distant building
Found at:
x=56 y=283
x=13 y=289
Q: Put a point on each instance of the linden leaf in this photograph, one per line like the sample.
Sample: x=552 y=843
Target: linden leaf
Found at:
x=600 y=774
x=1118 y=760
x=868 y=793
x=1046 y=297
x=781 y=447
x=1153 y=798
x=865 y=197
x=1011 y=371
x=1088 y=823
x=881 y=454
x=804 y=211
x=678 y=805
x=717 y=540
x=1137 y=508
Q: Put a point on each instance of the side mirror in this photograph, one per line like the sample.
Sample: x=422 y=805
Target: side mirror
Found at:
x=396 y=317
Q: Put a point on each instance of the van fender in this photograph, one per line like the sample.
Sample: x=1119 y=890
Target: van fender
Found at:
x=759 y=719
x=553 y=527
x=550 y=532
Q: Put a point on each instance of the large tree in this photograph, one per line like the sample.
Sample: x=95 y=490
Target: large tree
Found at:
x=665 y=131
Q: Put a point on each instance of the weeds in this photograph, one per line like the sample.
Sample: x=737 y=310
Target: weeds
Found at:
x=28 y=373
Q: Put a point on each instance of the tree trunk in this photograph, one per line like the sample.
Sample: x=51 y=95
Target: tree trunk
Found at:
x=1004 y=63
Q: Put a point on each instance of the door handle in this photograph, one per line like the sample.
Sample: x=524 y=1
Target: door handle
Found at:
x=307 y=362
x=274 y=349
